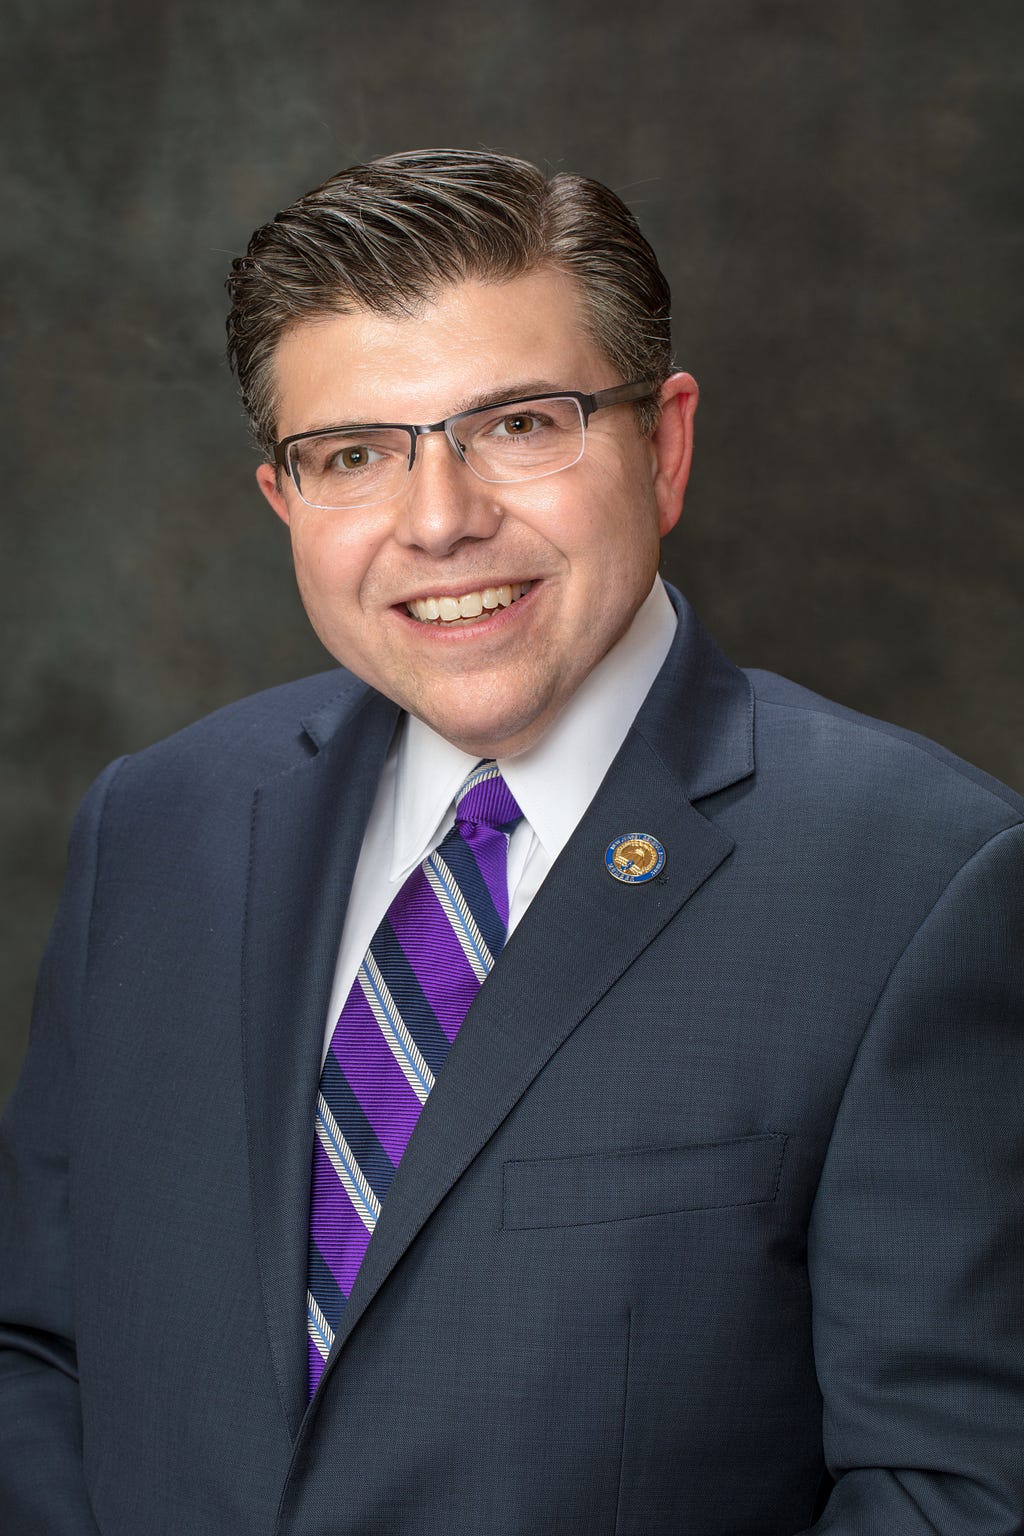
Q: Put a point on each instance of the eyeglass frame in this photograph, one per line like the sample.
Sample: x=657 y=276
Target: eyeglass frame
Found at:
x=617 y=394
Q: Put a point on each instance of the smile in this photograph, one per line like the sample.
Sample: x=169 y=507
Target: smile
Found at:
x=470 y=607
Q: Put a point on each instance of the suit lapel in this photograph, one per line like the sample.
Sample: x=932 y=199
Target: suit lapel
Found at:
x=307 y=830
x=581 y=933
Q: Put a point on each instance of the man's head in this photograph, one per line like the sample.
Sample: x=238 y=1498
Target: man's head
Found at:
x=426 y=285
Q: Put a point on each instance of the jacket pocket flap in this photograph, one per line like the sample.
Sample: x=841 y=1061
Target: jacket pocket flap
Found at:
x=640 y=1181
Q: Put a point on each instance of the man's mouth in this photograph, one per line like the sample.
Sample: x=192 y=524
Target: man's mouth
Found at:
x=470 y=607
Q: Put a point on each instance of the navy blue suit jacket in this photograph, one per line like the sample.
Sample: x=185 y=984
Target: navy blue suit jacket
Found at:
x=712 y=1225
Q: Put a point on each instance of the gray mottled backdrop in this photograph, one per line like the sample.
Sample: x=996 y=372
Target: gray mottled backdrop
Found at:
x=834 y=187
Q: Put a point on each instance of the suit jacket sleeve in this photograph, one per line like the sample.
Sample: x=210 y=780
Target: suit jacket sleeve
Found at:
x=42 y=1481
x=916 y=1245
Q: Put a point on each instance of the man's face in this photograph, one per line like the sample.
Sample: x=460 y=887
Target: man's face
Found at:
x=583 y=542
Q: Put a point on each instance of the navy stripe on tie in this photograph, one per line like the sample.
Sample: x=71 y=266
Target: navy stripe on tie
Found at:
x=407 y=990
x=377 y=1168
x=459 y=857
x=329 y=1295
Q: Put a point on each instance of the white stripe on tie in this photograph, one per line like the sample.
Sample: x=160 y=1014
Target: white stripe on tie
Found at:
x=456 y=909
x=318 y=1328
x=342 y=1160
x=392 y=1026
x=478 y=776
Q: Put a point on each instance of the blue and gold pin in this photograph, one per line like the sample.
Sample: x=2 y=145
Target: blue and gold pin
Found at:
x=635 y=857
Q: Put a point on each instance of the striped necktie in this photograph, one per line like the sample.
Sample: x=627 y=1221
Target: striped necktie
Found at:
x=425 y=964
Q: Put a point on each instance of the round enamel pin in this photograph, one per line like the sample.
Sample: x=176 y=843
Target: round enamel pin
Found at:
x=635 y=857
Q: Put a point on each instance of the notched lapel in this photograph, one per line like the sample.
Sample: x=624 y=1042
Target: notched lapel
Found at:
x=307 y=830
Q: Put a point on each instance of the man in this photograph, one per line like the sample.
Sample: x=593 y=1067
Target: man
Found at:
x=704 y=1215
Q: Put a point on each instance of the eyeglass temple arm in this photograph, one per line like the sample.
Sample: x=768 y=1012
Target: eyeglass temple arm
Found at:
x=619 y=394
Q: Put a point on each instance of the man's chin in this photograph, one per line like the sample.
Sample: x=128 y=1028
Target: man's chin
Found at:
x=486 y=733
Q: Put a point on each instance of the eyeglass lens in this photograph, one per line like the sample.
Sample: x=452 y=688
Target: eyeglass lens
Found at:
x=522 y=441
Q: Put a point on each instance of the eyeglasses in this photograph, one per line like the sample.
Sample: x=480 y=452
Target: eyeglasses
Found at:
x=344 y=467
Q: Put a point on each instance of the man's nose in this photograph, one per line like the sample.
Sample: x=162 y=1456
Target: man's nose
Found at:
x=443 y=501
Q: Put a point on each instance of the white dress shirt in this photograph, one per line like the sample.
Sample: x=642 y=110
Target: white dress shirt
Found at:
x=553 y=784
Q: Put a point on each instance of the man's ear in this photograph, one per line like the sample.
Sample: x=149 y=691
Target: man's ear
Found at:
x=672 y=445
x=269 y=484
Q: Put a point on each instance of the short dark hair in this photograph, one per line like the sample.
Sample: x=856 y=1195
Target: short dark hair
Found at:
x=387 y=235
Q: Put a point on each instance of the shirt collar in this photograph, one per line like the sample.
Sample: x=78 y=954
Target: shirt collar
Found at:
x=556 y=780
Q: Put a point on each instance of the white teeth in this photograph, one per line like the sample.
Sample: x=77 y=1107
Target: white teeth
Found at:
x=469 y=606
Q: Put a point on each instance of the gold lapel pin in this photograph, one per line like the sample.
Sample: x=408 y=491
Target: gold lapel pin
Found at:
x=634 y=857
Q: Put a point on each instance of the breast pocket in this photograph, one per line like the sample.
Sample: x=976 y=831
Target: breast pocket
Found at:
x=640 y=1181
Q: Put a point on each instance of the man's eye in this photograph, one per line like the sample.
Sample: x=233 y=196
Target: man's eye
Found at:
x=353 y=456
x=519 y=425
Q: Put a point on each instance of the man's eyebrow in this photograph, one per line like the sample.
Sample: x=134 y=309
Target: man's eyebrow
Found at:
x=518 y=389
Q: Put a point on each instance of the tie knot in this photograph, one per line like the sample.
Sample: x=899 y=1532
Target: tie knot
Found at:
x=486 y=800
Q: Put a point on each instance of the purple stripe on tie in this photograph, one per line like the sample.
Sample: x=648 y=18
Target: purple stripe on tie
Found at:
x=336 y=1228
x=490 y=850
x=374 y=1075
x=479 y=812
x=435 y=954
x=490 y=801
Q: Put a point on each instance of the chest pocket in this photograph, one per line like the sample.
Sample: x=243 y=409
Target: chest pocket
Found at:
x=640 y=1181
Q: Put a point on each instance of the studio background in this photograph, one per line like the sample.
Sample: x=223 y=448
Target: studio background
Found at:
x=834 y=191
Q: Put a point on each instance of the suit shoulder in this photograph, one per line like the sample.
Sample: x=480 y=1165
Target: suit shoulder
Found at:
x=250 y=738
x=876 y=754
